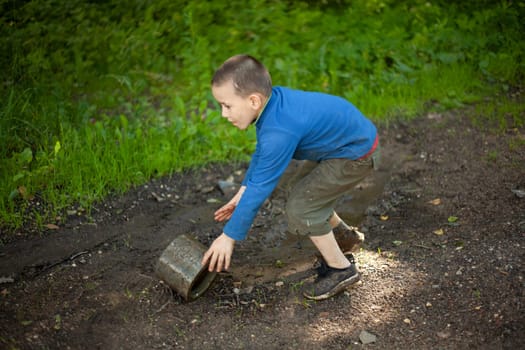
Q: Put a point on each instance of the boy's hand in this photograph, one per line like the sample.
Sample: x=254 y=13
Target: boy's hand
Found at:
x=219 y=254
x=225 y=212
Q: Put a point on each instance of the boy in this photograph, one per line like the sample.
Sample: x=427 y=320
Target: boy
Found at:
x=338 y=142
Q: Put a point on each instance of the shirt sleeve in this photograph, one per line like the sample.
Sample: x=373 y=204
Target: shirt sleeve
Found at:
x=273 y=153
x=253 y=165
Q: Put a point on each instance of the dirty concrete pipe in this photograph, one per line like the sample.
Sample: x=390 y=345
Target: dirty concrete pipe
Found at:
x=180 y=267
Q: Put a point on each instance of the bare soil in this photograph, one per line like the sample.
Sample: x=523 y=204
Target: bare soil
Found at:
x=442 y=266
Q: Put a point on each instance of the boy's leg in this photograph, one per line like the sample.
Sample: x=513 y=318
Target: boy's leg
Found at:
x=310 y=211
x=336 y=273
x=348 y=237
x=311 y=202
x=329 y=249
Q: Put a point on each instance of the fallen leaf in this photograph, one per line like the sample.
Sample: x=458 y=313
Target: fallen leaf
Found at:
x=436 y=201
x=58 y=322
x=23 y=191
x=383 y=217
x=52 y=227
x=25 y=194
x=439 y=232
x=397 y=243
x=452 y=219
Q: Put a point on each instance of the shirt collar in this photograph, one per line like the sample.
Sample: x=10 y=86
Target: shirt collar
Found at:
x=263 y=109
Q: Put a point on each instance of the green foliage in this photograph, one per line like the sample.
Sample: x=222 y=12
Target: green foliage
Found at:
x=98 y=96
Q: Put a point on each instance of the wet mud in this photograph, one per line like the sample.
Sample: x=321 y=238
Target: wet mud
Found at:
x=441 y=266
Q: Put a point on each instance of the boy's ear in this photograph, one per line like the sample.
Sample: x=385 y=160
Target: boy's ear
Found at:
x=255 y=101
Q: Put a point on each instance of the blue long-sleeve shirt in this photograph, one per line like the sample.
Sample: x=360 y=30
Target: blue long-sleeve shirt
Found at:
x=297 y=125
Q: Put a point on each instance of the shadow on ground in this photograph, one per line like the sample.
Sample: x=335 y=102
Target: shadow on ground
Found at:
x=442 y=266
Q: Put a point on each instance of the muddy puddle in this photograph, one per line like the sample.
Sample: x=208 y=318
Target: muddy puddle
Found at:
x=270 y=254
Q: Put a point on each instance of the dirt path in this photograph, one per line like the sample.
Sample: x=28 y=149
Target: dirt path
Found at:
x=428 y=280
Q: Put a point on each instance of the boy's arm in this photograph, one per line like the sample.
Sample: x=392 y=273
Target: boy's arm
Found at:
x=220 y=252
x=253 y=164
x=276 y=148
x=262 y=178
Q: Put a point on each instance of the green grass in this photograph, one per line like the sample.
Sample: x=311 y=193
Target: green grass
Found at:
x=499 y=114
x=98 y=97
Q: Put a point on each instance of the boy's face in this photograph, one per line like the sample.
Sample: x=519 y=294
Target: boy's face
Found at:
x=240 y=111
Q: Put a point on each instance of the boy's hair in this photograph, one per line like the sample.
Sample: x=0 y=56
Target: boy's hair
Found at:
x=247 y=74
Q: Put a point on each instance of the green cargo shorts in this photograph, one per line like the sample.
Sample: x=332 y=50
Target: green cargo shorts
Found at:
x=316 y=187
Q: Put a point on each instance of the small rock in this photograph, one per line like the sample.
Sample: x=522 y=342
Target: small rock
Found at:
x=367 y=337
x=279 y=284
x=407 y=321
x=6 y=280
x=227 y=187
x=443 y=335
x=520 y=193
x=207 y=189
x=157 y=197
x=247 y=290
x=434 y=116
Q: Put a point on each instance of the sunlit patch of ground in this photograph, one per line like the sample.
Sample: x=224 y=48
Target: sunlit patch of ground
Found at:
x=378 y=299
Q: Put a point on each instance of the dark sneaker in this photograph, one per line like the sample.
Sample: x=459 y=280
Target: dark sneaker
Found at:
x=331 y=281
x=348 y=237
x=322 y=268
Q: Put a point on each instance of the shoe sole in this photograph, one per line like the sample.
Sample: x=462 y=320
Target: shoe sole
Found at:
x=336 y=290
